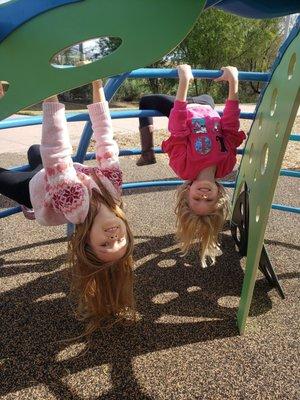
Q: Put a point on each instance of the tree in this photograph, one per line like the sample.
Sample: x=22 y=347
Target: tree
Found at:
x=220 y=39
x=216 y=39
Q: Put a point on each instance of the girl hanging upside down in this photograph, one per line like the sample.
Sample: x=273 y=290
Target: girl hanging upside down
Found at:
x=202 y=148
x=56 y=191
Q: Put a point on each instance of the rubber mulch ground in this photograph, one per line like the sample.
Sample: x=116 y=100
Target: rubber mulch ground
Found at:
x=185 y=344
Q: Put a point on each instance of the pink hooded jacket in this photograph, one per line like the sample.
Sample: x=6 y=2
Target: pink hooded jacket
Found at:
x=200 y=138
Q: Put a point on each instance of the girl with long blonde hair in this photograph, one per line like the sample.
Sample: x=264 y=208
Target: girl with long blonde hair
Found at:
x=56 y=191
x=202 y=148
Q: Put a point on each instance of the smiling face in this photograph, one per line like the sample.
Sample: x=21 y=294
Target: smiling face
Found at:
x=108 y=235
x=203 y=197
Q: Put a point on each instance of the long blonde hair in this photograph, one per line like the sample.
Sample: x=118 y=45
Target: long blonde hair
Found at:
x=104 y=291
x=205 y=228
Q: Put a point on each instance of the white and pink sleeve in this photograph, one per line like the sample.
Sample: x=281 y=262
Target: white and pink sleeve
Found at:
x=64 y=190
x=107 y=150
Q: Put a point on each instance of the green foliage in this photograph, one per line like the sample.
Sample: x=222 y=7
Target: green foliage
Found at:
x=217 y=39
x=220 y=39
x=159 y=85
x=131 y=90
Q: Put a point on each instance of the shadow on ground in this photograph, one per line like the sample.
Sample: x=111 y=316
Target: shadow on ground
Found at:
x=179 y=304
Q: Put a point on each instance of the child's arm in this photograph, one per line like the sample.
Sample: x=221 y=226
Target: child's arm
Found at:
x=178 y=114
x=230 y=123
x=107 y=150
x=231 y=75
x=65 y=192
x=185 y=76
x=55 y=145
x=98 y=91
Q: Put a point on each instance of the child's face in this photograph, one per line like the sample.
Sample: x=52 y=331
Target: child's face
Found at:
x=108 y=236
x=203 y=197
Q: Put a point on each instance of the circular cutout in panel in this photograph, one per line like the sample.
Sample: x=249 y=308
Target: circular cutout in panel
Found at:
x=240 y=188
x=257 y=216
x=264 y=158
x=273 y=102
x=242 y=209
x=89 y=50
x=291 y=67
x=238 y=235
x=3 y=88
x=255 y=176
x=251 y=154
x=260 y=120
x=277 y=129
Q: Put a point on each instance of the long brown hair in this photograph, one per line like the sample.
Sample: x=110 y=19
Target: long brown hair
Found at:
x=205 y=228
x=104 y=290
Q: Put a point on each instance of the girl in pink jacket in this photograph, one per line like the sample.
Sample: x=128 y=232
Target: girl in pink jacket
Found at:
x=60 y=191
x=202 y=148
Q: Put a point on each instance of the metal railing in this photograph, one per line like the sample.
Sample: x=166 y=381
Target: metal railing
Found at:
x=111 y=88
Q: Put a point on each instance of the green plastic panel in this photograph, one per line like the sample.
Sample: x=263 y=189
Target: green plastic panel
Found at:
x=148 y=29
x=262 y=159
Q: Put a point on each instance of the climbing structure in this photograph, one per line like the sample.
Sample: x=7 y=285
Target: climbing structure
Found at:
x=48 y=28
x=27 y=51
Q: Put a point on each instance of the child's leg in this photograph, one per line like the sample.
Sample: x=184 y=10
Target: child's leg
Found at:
x=203 y=99
x=162 y=103
x=34 y=156
x=15 y=185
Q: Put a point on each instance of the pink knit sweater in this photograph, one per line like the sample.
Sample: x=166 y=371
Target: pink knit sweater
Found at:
x=61 y=191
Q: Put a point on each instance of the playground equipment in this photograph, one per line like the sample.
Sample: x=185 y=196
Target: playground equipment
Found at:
x=260 y=166
x=272 y=119
x=58 y=28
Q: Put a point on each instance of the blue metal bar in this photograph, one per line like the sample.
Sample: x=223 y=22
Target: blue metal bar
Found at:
x=146 y=184
x=288 y=172
x=175 y=182
x=198 y=73
x=72 y=117
x=295 y=137
x=37 y=120
x=19 y=122
x=110 y=89
x=153 y=113
x=25 y=167
x=113 y=85
x=10 y=211
x=281 y=207
x=137 y=151
x=139 y=185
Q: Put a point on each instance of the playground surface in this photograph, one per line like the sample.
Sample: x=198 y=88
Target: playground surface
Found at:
x=185 y=344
